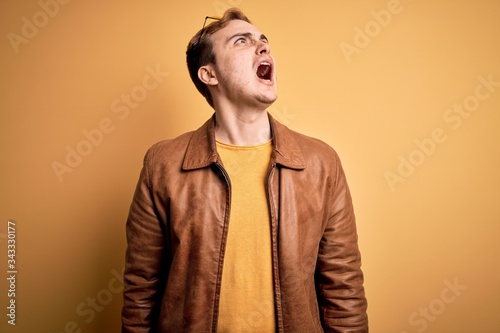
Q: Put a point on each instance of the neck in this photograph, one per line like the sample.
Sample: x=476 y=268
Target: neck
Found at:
x=242 y=128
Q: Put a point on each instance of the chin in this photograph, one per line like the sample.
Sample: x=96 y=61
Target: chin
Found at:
x=267 y=100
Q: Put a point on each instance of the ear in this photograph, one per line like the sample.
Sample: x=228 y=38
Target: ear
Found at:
x=207 y=75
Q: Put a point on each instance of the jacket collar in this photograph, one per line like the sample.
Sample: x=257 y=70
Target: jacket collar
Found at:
x=202 y=150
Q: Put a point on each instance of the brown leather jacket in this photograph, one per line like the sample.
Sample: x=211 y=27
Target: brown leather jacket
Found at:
x=177 y=228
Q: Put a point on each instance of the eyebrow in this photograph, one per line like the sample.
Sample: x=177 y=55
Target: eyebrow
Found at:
x=247 y=35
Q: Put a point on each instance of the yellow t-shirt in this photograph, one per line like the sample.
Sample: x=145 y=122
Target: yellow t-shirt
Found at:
x=247 y=293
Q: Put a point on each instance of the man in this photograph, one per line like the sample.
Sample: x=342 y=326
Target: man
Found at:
x=242 y=225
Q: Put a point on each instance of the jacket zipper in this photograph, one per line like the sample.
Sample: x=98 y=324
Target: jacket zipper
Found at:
x=274 y=241
x=223 y=247
x=274 y=246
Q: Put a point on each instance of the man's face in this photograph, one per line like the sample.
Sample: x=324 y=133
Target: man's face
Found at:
x=245 y=69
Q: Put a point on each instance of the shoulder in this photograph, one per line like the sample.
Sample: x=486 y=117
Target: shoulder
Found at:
x=171 y=144
x=310 y=147
x=168 y=151
x=320 y=159
x=314 y=144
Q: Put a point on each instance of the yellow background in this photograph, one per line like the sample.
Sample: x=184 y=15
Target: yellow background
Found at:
x=437 y=225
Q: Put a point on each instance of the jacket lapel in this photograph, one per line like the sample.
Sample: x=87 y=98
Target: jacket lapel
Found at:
x=201 y=151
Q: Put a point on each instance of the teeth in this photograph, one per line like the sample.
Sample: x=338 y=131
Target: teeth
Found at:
x=264 y=69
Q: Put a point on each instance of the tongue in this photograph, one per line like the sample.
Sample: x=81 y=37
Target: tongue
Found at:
x=262 y=71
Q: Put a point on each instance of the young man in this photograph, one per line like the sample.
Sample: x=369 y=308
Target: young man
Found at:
x=242 y=225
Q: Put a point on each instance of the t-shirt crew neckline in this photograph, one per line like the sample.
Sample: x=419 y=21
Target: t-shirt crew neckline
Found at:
x=232 y=146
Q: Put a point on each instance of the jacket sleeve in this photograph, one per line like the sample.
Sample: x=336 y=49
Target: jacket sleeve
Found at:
x=341 y=295
x=143 y=261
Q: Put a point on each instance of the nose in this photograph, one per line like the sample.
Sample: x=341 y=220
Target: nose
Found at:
x=263 y=47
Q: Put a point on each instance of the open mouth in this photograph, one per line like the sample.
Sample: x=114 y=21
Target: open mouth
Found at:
x=264 y=71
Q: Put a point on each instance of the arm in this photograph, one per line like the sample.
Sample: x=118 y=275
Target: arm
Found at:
x=339 y=277
x=143 y=261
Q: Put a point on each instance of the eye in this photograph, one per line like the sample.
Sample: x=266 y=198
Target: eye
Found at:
x=240 y=41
